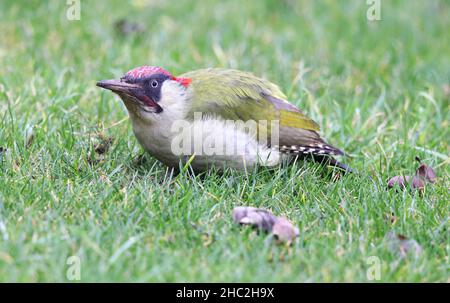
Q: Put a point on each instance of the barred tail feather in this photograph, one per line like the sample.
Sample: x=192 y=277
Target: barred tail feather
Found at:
x=321 y=152
x=320 y=148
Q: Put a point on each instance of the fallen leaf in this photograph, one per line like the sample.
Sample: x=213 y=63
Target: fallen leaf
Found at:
x=103 y=146
x=423 y=175
x=401 y=181
x=427 y=173
x=281 y=228
x=284 y=230
x=256 y=217
x=400 y=244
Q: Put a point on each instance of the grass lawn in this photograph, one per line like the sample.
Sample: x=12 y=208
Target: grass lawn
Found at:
x=379 y=90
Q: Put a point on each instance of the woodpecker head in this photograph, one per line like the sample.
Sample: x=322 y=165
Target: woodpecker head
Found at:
x=147 y=90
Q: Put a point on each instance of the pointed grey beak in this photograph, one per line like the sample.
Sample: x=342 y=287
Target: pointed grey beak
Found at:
x=133 y=92
x=117 y=86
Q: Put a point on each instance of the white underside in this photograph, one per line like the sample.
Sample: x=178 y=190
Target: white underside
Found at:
x=206 y=142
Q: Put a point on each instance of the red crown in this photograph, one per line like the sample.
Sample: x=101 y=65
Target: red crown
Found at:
x=145 y=71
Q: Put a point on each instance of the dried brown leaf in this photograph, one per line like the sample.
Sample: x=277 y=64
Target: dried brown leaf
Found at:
x=401 y=181
x=423 y=175
x=281 y=228
x=256 y=217
x=100 y=149
x=406 y=181
x=427 y=173
x=284 y=230
x=103 y=146
x=418 y=183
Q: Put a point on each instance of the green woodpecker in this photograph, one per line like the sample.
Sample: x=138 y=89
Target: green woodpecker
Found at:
x=217 y=117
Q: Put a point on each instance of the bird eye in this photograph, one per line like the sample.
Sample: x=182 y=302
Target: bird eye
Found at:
x=154 y=83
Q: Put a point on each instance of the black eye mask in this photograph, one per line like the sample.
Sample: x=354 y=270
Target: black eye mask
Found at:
x=150 y=92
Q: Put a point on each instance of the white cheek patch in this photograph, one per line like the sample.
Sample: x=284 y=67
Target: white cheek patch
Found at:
x=171 y=93
x=173 y=103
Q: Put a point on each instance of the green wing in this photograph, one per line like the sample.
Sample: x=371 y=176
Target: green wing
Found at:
x=235 y=95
